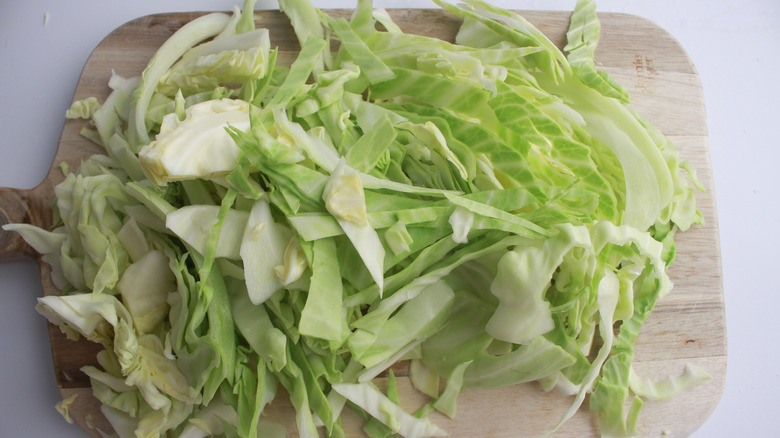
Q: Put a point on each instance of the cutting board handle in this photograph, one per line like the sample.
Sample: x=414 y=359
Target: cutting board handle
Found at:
x=22 y=206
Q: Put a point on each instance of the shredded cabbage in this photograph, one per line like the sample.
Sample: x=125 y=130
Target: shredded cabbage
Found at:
x=489 y=209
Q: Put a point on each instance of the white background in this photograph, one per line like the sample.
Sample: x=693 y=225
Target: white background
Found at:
x=734 y=45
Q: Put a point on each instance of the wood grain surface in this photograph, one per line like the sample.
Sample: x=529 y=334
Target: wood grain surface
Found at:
x=688 y=326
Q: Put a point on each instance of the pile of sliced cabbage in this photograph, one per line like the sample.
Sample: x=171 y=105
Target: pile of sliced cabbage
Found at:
x=490 y=210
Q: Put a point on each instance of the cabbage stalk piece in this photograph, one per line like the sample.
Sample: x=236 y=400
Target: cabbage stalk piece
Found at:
x=88 y=315
x=198 y=146
x=144 y=288
x=345 y=200
x=262 y=250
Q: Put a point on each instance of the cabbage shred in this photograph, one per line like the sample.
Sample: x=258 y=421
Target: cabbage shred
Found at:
x=489 y=209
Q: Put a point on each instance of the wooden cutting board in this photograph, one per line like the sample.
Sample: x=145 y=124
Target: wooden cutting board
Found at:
x=688 y=326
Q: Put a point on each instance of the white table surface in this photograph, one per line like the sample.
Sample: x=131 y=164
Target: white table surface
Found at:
x=43 y=47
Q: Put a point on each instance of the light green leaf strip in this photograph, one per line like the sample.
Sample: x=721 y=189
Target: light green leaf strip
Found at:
x=304 y=18
x=378 y=314
x=380 y=407
x=246 y=22
x=366 y=152
x=221 y=328
x=611 y=390
x=582 y=37
x=414 y=321
x=322 y=316
x=446 y=403
x=669 y=387
x=301 y=69
x=511 y=27
x=214 y=233
x=457 y=96
x=375 y=70
x=383 y=17
x=532 y=361
x=522 y=226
